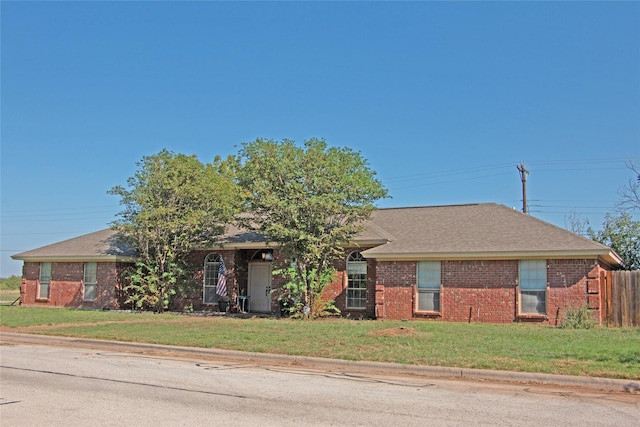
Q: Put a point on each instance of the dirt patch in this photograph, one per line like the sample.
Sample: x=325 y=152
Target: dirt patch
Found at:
x=35 y=328
x=368 y=347
x=564 y=363
x=393 y=332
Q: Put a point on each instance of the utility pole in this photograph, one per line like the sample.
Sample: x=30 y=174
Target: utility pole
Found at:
x=523 y=177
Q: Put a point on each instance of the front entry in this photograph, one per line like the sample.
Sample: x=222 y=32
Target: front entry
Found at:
x=260 y=287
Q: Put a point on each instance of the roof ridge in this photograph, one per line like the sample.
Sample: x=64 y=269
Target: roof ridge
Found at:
x=436 y=206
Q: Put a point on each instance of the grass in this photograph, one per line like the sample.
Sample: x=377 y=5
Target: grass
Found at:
x=9 y=289
x=7 y=296
x=610 y=353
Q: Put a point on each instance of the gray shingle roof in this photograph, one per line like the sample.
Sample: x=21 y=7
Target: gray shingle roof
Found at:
x=98 y=245
x=485 y=230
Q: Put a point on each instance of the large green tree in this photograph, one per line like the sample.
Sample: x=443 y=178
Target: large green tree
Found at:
x=172 y=203
x=309 y=200
x=622 y=234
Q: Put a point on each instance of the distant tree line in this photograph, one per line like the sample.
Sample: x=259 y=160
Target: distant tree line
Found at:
x=11 y=282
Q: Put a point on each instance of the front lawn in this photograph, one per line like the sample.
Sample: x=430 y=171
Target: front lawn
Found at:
x=610 y=353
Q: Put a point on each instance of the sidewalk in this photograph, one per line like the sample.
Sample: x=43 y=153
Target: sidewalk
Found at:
x=326 y=365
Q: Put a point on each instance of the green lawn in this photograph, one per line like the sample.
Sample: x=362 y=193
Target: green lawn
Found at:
x=7 y=296
x=9 y=289
x=610 y=353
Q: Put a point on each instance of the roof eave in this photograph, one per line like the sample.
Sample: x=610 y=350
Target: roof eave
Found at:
x=74 y=258
x=613 y=259
x=266 y=244
x=366 y=242
x=608 y=257
x=236 y=245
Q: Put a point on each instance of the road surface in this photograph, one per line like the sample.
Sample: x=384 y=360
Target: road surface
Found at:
x=57 y=386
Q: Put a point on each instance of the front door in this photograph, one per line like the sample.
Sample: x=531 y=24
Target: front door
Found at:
x=260 y=287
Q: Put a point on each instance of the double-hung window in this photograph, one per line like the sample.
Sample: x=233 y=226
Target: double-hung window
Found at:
x=90 y=280
x=428 y=278
x=357 y=281
x=533 y=286
x=44 y=284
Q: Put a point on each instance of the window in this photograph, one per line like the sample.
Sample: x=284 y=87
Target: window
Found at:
x=211 y=269
x=90 y=280
x=45 y=280
x=428 y=286
x=357 y=281
x=533 y=287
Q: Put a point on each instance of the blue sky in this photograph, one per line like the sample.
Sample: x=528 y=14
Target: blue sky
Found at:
x=443 y=98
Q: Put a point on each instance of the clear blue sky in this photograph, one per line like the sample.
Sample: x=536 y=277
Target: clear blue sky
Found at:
x=443 y=98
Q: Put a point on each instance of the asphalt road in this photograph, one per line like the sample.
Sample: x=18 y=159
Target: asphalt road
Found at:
x=76 y=385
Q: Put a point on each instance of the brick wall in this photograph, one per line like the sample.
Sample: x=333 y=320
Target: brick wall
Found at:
x=67 y=288
x=195 y=283
x=486 y=290
x=237 y=268
x=398 y=279
x=479 y=291
x=337 y=290
x=472 y=291
x=573 y=283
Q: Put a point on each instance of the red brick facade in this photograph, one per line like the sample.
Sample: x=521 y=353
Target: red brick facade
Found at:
x=560 y=270
x=337 y=290
x=487 y=290
x=471 y=291
x=66 y=288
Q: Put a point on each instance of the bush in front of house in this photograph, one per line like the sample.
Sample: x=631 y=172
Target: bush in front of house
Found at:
x=578 y=318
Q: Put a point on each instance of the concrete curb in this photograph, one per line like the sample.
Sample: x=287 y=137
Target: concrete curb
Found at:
x=331 y=365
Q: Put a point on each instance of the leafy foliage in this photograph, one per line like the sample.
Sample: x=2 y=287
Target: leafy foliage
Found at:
x=172 y=203
x=308 y=200
x=294 y=286
x=150 y=288
x=11 y=282
x=578 y=318
x=622 y=234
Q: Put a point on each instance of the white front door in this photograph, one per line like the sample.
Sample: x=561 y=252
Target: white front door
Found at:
x=260 y=287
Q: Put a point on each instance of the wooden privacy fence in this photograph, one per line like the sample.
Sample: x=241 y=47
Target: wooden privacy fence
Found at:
x=620 y=295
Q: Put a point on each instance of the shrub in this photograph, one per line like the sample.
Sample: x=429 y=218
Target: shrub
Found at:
x=293 y=294
x=578 y=318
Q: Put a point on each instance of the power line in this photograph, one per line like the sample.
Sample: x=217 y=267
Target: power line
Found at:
x=59 y=209
x=448 y=181
x=598 y=161
x=74 y=218
x=53 y=215
x=571 y=201
x=418 y=180
x=570 y=206
x=447 y=173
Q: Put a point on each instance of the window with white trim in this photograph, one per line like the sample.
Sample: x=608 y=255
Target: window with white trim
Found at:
x=211 y=271
x=428 y=287
x=356 y=281
x=533 y=286
x=44 y=283
x=90 y=281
